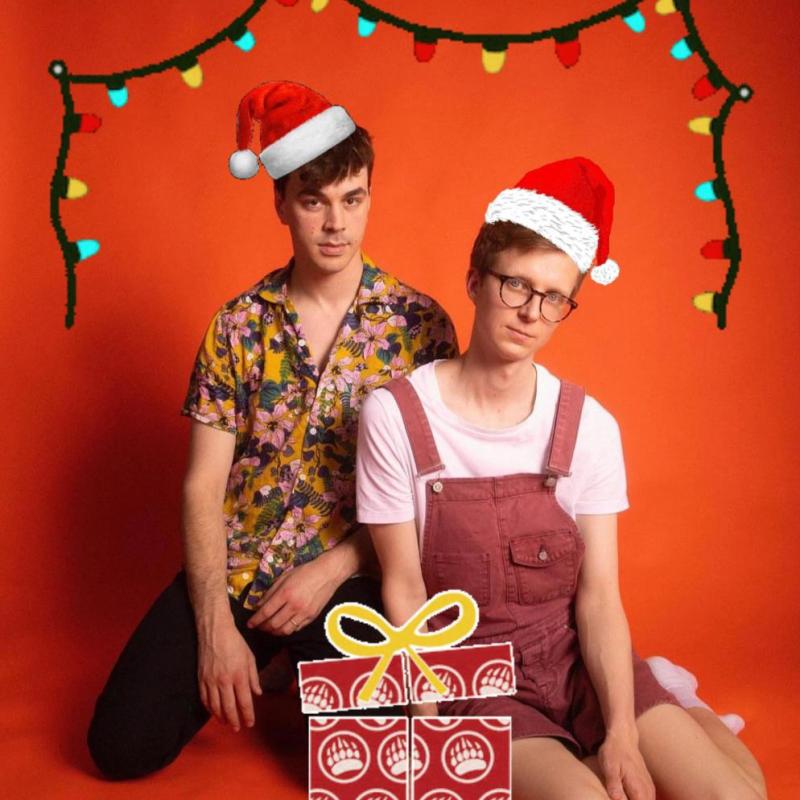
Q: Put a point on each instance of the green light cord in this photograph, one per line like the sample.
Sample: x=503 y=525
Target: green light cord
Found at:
x=424 y=33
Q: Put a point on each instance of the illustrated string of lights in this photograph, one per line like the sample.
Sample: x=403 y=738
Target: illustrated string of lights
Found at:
x=494 y=48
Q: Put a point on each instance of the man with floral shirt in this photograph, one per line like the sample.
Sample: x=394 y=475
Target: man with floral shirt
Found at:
x=271 y=540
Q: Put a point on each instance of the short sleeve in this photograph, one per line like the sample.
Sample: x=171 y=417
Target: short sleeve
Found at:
x=384 y=477
x=437 y=338
x=211 y=396
x=603 y=489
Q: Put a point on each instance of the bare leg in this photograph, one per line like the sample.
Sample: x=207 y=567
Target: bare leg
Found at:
x=543 y=769
x=684 y=761
x=729 y=744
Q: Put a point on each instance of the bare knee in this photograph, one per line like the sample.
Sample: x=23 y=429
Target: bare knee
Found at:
x=570 y=792
x=736 y=789
x=544 y=769
x=743 y=792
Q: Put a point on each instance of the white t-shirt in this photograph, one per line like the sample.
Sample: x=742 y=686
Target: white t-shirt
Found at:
x=388 y=490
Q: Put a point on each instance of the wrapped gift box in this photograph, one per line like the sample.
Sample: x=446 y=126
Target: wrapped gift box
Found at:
x=333 y=684
x=462 y=758
x=394 y=758
x=358 y=758
x=471 y=671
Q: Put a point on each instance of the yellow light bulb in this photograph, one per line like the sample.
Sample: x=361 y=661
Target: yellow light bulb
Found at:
x=319 y=5
x=193 y=77
x=76 y=188
x=704 y=302
x=701 y=125
x=493 y=60
x=665 y=7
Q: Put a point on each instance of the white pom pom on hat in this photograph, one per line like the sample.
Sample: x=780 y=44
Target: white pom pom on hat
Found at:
x=296 y=125
x=605 y=273
x=243 y=164
x=570 y=203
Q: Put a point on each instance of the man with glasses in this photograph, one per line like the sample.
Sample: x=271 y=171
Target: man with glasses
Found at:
x=488 y=474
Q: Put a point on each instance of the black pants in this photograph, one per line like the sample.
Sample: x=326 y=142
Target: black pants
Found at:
x=150 y=707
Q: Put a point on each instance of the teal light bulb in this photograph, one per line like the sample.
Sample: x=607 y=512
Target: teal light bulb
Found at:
x=118 y=95
x=705 y=191
x=636 y=21
x=681 y=50
x=87 y=248
x=366 y=27
x=246 y=42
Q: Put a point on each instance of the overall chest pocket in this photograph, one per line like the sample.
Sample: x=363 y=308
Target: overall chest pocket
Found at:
x=466 y=571
x=545 y=565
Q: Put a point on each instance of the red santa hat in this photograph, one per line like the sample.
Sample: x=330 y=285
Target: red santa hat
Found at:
x=570 y=203
x=296 y=126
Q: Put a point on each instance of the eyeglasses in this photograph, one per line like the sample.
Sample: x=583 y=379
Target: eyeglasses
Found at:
x=515 y=293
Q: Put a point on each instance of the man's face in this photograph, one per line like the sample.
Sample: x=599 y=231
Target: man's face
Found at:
x=513 y=334
x=327 y=225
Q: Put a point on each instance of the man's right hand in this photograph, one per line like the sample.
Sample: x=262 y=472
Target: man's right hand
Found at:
x=227 y=674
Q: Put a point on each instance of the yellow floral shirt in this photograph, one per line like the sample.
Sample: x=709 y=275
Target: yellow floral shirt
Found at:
x=291 y=488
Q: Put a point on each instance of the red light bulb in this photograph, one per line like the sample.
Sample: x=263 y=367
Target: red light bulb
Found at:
x=716 y=248
x=568 y=52
x=424 y=51
x=704 y=87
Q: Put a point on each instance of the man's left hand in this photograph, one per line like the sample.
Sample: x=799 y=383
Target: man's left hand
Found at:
x=625 y=773
x=295 y=598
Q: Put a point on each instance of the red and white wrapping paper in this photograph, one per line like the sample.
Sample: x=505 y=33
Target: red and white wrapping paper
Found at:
x=461 y=758
x=333 y=684
x=358 y=758
x=445 y=758
x=472 y=671
x=485 y=670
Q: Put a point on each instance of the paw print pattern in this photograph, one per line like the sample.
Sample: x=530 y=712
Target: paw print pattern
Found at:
x=321 y=794
x=467 y=757
x=438 y=723
x=440 y=794
x=320 y=696
x=495 y=723
x=387 y=693
x=392 y=757
x=343 y=757
x=495 y=680
x=377 y=794
x=416 y=756
x=448 y=677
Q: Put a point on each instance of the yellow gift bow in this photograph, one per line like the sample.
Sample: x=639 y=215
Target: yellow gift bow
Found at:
x=405 y=638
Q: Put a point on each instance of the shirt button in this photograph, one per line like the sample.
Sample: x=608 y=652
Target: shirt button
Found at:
x=301 y=342
x=543 y=556
x=437 y=486
x=313 y=431
x=230 y=589
x=245 y=576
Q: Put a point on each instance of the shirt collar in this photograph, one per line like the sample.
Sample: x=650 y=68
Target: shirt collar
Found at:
x=374 y=287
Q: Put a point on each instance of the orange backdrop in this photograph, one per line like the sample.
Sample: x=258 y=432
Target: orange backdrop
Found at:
x=95 y=448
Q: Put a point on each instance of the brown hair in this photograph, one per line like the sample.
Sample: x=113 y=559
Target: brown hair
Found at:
x=336 y=164
x=495 y=237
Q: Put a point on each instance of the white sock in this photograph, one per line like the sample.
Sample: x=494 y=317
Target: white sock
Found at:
x=683 y=685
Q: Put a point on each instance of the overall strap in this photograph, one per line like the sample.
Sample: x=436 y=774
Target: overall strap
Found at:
x=565 y=431
x=426 y=456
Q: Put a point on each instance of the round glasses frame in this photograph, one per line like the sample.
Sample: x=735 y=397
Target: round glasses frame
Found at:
x=571 y=304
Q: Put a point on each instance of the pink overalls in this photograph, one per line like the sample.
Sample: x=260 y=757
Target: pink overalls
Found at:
x=508 y=542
